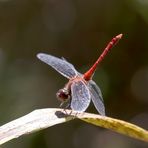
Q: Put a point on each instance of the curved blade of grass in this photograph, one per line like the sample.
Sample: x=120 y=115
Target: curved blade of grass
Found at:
x=44 y=118
x=116 y=125
x=32 y=122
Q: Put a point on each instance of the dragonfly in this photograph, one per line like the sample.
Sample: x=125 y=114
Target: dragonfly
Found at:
x=80 y=89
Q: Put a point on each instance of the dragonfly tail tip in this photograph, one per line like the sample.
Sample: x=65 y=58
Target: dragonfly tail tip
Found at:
x=119 y=36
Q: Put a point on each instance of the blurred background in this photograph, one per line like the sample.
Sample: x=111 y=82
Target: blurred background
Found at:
x=77 y=30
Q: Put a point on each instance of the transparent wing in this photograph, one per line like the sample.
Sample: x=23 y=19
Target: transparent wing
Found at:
x=96 y=96
x=60 y=65
x=80 y=96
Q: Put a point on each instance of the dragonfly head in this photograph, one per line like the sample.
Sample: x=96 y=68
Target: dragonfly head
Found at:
x=63 y=95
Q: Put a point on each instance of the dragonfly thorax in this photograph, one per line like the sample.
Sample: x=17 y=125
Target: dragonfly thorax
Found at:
x=63 y=94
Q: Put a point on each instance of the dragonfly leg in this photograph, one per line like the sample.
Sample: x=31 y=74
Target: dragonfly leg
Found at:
x=65 y=104
x=61 y=104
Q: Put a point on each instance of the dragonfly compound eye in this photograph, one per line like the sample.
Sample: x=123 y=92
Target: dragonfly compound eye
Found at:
x=63 y=95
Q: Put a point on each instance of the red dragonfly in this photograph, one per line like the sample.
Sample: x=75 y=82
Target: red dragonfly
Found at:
x=80 y=89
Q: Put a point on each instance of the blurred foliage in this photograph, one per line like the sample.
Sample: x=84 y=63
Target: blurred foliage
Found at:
x=77 y=30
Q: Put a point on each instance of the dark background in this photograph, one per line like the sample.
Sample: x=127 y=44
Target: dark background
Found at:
x=77 y=30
